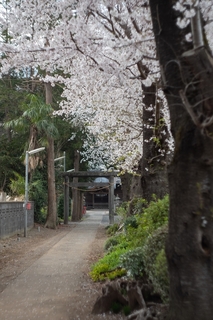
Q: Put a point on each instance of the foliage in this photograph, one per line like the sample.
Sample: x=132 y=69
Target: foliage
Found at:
x=60 y=209
x=153 y=217
x=139 y=205
x=36 y=191
x=122 y=209
x=108 y=267
x=38 y=194
x=126 y=310
x=125 y=250
x=136 y=206
x=131 y=222
x=111 y=242
x=116 y=307
x=155 y=263
x=132 y=262
x=161 y=274
x=112 y=229
x=41 y=216
x=113 y=107
x=35 y=113
x=17 y=185
x=10 y=159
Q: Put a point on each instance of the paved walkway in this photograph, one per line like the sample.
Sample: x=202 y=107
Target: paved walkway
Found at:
x=45 y=290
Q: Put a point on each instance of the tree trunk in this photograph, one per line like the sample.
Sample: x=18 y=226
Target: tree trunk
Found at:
x=75 y=192
x=125 y=185
x=188 y=80
x=151 y=177
x=153 y=162
x=51 y=210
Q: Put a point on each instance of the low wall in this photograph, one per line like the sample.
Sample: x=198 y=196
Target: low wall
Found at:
x=12 y=218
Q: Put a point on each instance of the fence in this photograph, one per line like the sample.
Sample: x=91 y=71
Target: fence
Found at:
x=12 y=218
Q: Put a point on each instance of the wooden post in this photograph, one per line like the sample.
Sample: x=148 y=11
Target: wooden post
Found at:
x=111 y=200
x=66 y=199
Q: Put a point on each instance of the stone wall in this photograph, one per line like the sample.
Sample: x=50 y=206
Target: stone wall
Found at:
x=12 y=218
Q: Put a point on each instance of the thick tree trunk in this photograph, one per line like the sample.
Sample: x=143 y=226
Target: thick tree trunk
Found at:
x=52 y=209
x=188 y=80
x=125 y=180
x=153 y=163
x=151 y=178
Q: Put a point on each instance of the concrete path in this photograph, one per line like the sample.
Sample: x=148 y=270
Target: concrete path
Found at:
x=46 y=290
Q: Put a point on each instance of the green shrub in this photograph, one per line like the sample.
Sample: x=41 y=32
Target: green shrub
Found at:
x=155 y=263
x=41 y=218
x=101 y=275
x=161 y=275
x=116 y=307
x=126 y=310
x=17 y=185
x=153 y=217
x=128 y=250
x=60 y=207
x=108 y=267
x=111 y=230
x=136 y=206
x=132 y=262
x=98 y=270
x=111 y=242
x=131 y=222
x=122 y=209
x=38 y=194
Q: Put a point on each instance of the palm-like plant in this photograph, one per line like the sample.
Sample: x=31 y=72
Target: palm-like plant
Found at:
x=37 y=119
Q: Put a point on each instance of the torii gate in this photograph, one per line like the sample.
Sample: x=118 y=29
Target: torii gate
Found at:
x=86 y=174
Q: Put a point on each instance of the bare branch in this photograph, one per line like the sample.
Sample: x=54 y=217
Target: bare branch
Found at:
x=189 y=108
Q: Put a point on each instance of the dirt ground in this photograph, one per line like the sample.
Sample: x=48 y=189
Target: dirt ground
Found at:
x=18 y=253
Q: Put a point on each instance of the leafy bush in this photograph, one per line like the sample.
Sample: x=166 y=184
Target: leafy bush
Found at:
x=116 y=307
x=131 y=222
x=153 y=217
x=111 y=230
x=17 y=185
x=155 y=263
x=60 y=207
x=38 y=194
x=122 y=209
x=128 y=250
x=132 y=262
x=111 y=242
x=136 y=206
x=108 y=267
x=104 y=273
x=126 y=310
x=161 y=275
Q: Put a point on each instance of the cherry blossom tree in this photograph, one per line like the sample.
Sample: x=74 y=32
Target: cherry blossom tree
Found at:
x=31 y=28
x=185 y=55
x=111 y=74
x=115 y=85
x=124 y=99
x=96 y=41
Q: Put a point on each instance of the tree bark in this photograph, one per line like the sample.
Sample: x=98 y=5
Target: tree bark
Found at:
x=187 y=75
x=151 y=177
x=52 y=208
x=153 y=163
x=76 y=216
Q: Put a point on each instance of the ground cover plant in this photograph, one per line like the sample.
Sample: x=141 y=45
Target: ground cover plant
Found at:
x=135 y=248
